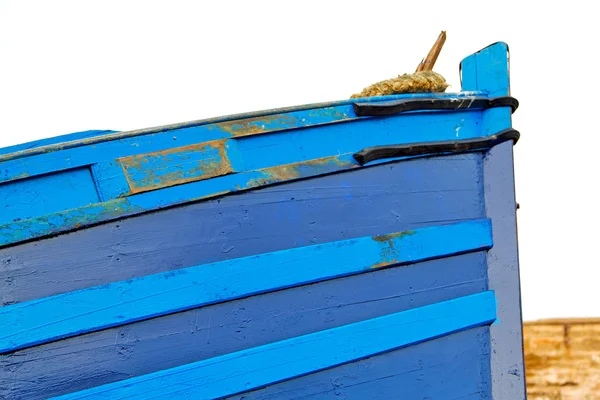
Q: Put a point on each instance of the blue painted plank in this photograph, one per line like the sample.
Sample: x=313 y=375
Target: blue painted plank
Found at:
x=366 y=202
x=144 y=347
x=318 y=113
x=48 y=319
x=26 y=198
x=488 y=70
x=110 y=180
x=453 y=367
x=36 y=144
x=254 y=368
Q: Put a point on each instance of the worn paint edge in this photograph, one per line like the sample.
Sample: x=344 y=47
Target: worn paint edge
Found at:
x=69 y=220
x=246 y=370
x=213 y=170
x=119 y=303
x=256 y=114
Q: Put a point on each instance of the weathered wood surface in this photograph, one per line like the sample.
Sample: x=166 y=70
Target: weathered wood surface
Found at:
x=149 y=346
x=275 y=362
x=562 y=359
x=120 y=303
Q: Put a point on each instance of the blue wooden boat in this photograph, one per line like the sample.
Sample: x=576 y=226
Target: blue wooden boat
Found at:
x=360 y=249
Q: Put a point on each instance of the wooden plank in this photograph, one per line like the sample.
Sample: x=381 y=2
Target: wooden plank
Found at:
x=69 y=314
x=35 y=145
x=488 y=70
x=176 y=166
x=261 y=366
x=30 y=197
x=453 y=367
x=362 y=202
x=140 y=348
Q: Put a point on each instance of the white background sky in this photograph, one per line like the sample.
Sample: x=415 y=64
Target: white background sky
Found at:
x=68 y=66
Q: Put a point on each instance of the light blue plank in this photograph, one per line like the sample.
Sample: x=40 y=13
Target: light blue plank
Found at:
x=69 y=314
x=46 y=194
x=110 y=180
x=176 y=166
x=257 y=367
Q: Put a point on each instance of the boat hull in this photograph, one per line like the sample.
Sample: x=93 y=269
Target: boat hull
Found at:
x=397 y=279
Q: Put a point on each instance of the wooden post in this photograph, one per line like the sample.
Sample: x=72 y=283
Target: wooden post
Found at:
x=428 y=62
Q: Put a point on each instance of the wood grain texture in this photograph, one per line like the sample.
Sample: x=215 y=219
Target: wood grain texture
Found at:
x=275 y=362
x=119 y=303
x=27 y=198
x=373 y=201
x=449 y=368
x=144 y=347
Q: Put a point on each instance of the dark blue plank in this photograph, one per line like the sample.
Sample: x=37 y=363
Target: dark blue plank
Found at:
x=275 y=362
x=119 y=353
x=377 y=200
x=454 y=367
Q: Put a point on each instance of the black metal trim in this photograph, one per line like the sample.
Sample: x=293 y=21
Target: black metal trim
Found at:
x=431 y=148
x=405 y=105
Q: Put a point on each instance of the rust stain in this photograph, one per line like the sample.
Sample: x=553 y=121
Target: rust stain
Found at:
x=392 y=236
x=389 y=254
x=302 y=169
x=384 y=264
x=155 y=177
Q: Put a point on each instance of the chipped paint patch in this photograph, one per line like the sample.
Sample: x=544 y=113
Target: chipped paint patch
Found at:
x=302 y=169
x=279 y=122
x=65 y=220
x=390 y=237
x=255 y=126
x=390 y=253
x=172 y=167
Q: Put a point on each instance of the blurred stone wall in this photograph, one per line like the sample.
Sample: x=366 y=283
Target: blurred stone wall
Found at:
x=562 y=359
